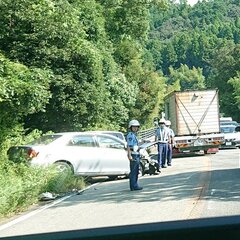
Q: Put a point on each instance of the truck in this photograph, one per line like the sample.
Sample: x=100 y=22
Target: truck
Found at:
x=194 y=117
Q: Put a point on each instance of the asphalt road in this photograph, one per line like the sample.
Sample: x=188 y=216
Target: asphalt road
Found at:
x=194 y=187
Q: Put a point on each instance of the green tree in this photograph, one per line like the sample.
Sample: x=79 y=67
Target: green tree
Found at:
x=150 y=97
x=225 y=66
x=23 y=91
x=154 y=46
x=184 y=78
x=235 y=82
x=169 y=57
x=70 y=39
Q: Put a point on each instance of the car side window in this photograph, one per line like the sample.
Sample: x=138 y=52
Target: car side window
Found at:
x=106 y=142
x=82 y=141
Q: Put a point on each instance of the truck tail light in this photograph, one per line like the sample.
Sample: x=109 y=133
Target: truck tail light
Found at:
x=218 y=140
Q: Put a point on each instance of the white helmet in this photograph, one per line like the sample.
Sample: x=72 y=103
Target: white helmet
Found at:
x=168 y=123
x=162 y=120
x=134 y=123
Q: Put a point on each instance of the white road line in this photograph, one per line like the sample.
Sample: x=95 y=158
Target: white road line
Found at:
x=191 y=175
x=22 y=218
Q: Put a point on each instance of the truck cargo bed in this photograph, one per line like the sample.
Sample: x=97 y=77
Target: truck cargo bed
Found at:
x=193 y=112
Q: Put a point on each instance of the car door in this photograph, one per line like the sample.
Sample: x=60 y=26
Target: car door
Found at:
x=84 y=155
x=113 y=155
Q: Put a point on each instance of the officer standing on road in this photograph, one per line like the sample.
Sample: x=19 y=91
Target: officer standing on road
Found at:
x=133 y=154
x=162 y=139
x=170 y=144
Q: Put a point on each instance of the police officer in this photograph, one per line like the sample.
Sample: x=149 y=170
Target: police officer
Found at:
x=162 y=139
x=170 y=144
x=133 y=154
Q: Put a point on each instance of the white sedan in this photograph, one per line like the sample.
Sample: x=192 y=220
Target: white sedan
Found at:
x=85 y=153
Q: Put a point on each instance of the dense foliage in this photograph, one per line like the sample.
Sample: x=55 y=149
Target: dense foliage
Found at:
x=95 y=61
x=199 y=46
x=76 y=65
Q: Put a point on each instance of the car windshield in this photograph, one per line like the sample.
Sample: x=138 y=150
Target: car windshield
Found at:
x=46 y=139
x=228 y=123
x=118 y=135
x=228 y=129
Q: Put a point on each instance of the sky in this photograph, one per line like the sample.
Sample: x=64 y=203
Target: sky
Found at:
x=192 y=2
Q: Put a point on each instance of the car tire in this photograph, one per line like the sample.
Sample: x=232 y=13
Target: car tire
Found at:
x=63 y=166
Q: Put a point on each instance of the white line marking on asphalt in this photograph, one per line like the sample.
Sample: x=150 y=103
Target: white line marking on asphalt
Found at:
x=22 y=218
x=190 y=175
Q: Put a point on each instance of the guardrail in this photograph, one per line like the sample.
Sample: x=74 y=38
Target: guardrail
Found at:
x=146 y=135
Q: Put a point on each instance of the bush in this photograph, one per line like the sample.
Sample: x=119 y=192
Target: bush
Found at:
x=21 y=185
x=62 y=182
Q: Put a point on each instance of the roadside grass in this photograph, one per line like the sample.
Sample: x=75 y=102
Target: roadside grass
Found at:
x=22 y=185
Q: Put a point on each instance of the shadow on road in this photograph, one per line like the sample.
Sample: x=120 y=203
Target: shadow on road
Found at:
x=163 y=188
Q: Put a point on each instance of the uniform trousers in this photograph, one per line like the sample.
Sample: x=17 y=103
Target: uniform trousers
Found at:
x=169 y=154
x=134 y=171
x=162 y=153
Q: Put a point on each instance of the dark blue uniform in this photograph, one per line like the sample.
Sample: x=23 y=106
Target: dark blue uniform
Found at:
x=162 y=135
x=169 y=150
x=132 y=143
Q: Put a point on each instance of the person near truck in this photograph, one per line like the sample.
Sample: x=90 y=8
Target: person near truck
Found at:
x=170 y=143
x=133 y=154
x=162 y=138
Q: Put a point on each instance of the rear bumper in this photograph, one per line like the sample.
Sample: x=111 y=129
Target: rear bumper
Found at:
x=228 y=146
x=198 y=148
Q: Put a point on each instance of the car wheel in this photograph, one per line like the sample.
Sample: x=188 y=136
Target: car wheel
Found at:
x=63 y=166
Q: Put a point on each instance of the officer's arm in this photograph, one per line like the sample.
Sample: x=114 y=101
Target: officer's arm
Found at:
x=129 y=153
x=156 y=137
x=169 y=137
x=129 y=143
